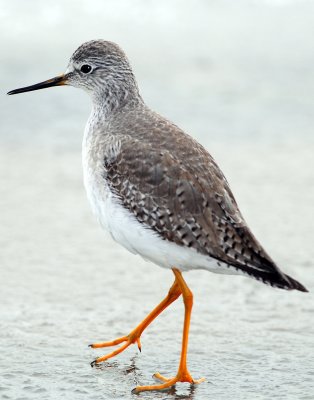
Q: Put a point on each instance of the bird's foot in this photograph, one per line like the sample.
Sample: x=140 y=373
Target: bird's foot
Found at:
x=133 y=337
x=182 y=376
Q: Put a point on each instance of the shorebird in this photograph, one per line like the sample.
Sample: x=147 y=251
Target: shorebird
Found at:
x=157 y=191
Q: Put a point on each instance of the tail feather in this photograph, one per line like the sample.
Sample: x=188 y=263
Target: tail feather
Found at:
x=275 y=278
x=251 y=259
x=294 y=285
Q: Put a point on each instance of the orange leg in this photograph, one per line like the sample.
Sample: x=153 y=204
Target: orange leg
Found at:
x=134 y=336
x=183 y=375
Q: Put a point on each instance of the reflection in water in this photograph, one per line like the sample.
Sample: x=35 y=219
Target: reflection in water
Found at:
x=132 y=369
x=188 y=396
x=103 y=366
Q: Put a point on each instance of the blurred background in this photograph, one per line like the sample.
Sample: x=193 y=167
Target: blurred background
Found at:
x=239 y=77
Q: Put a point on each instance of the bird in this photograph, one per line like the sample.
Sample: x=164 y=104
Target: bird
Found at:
x=158 y=192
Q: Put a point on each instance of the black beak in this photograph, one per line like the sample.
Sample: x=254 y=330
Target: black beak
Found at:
x=57 y=81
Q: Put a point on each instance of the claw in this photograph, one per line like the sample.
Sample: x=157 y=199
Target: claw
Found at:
x=93 y=363
x=138 y=341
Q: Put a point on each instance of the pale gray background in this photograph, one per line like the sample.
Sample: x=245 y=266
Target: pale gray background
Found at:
x=237 y=75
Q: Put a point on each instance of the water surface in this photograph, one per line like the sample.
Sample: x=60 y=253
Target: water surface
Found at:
x=238 y=78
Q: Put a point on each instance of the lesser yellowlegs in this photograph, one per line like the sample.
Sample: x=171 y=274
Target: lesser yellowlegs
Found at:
x=157 y=191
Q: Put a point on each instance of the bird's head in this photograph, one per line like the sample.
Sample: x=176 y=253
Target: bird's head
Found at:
x=99 y=67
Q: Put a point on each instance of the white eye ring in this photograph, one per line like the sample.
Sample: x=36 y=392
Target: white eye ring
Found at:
x=86 y=68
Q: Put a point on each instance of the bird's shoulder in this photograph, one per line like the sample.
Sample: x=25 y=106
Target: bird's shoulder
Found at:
x=159 y=167
x=160 y=159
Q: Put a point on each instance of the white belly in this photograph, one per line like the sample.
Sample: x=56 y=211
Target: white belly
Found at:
x=139 y=239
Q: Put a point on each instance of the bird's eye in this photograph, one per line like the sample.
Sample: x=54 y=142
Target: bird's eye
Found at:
x=86 y=68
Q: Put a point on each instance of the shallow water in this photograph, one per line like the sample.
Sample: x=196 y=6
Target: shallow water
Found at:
x=64 y=283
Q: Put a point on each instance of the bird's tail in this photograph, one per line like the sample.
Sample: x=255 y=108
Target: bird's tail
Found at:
x=292 y=284
x=273 y=278
x=253 y=261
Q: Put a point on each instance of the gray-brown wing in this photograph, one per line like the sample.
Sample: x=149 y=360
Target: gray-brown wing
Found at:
x=178 y=190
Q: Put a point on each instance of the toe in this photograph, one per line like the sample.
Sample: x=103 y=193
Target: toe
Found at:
x=161 y=378
x=163 y=386
x=196 y=381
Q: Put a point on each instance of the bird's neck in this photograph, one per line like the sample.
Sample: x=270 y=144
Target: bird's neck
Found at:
x=116 y=96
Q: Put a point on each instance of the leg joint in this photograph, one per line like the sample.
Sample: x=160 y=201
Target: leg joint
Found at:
x=174 y=291
x=188 y=298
